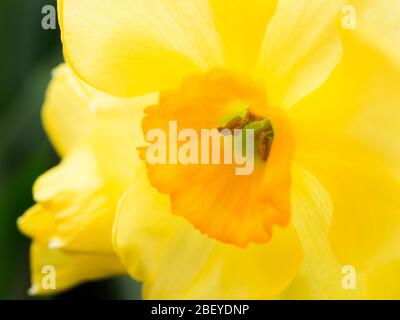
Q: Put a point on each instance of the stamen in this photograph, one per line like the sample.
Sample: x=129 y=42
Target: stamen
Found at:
x=264 y=145
x=264 y=135
x=242 y=124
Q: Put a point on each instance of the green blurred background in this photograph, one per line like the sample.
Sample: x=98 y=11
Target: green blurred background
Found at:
x=27 y=56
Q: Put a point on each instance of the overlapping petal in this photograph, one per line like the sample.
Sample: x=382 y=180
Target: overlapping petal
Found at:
x=242 y=26
x=65 y=113
x=347 y=137
x=137 y=47
x=73 y=198
x=176 y=261
x=300 y=49
x=71 y=222
x=117 y=135
x=321 y=274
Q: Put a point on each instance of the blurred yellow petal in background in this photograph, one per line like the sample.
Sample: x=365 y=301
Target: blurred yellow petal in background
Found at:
x=74 y=212
x=71 y=224
x=54 y=270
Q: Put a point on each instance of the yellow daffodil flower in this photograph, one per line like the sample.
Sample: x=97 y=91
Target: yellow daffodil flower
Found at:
x=71 y=222
x=324 y=193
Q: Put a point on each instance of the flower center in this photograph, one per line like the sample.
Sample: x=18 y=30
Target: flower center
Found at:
x=263 y=132
x=228 y=207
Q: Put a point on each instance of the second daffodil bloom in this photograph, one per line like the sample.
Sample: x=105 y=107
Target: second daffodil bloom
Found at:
x=324 y=191
x=71 y=222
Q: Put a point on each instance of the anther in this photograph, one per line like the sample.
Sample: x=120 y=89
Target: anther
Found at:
x=264 y=145
x=233 y=123
x=263 y=135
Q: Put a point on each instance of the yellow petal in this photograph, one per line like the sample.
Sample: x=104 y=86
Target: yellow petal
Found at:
x=176 y=261
x=242 y=25
x=73 y=198
x=321 y=274
x=77 y=172
x=138 y=47
x=66 y=117
x=383 y=281
x=301 y=48
x=117 y=135
x=378 y=24
x=53 y=270
x=347 y=137
x=37 y=223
